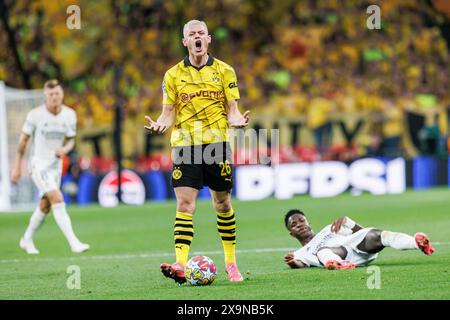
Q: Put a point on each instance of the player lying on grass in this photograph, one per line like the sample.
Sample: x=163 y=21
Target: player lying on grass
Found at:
x=344 y=244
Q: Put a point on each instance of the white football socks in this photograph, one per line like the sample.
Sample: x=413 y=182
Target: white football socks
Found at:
x=397 y=240
x=325 y=255
x=37 y=218
x=63 y=221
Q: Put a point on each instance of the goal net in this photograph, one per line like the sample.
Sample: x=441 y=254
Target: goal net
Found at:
x=14 y=106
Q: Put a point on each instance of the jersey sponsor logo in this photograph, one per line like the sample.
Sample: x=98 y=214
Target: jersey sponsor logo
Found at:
x=53 y=135
x=185 y=98
x=232 y=85
x=177 y=174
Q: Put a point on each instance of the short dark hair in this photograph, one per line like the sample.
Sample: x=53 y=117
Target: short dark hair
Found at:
x=52 y=83
x=289 y=214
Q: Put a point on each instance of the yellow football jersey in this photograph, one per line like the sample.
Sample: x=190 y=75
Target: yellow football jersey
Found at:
x=199 y=96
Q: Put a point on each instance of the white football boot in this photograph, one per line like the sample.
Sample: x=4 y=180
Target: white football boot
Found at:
x=28 y=246
x=80 y=247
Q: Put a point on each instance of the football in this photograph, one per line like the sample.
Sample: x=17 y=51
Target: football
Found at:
x=200 y=271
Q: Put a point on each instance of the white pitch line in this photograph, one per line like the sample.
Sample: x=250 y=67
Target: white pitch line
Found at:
x=155 y=255
x=138 y=255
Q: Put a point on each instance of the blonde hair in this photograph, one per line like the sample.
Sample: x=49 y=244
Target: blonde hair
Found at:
x=191 y=23
x=52 y=83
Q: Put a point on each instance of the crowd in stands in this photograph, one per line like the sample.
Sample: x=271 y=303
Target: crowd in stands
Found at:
x=315 y=59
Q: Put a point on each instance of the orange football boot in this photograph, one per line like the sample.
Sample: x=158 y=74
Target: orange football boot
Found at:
x=423 y=242
x=174 y=271
x=339 y=265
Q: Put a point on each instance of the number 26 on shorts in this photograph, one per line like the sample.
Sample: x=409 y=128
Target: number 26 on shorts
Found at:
x=225 y=168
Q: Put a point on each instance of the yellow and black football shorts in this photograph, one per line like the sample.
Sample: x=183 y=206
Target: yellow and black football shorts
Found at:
x=203 y=165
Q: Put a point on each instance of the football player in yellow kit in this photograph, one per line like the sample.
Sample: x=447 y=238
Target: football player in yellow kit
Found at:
x=200 y=96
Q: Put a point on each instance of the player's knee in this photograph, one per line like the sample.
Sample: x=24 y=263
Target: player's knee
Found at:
x=372 y=242
x=222 y=205
x=44 y=206
x=339 y=251
x=186 y=205
x=374 y=237
x=55 y=197
x=45 y=209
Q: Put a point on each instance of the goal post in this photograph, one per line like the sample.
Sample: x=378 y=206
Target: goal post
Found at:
x=14 y=106
x=5 y=191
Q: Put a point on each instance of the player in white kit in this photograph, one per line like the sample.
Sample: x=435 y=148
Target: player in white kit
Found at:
x=344 y=244
x=52 y=129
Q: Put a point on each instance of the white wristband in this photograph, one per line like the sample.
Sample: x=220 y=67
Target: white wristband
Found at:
x=349 y=223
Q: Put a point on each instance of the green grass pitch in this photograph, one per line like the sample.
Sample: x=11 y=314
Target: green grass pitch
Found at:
x=129 y=243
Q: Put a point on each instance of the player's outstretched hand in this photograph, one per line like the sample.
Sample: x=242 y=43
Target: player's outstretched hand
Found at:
x=337 y=225
x=155 y=127
x=239 y=120
x=291 y=262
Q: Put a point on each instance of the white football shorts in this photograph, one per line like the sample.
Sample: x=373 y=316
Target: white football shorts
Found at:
x=355 y=255
x=46 y=180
